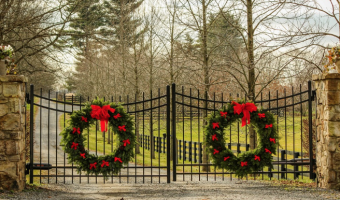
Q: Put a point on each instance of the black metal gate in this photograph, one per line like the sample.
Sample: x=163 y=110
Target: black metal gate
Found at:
x=154 y=114
x=293 y=114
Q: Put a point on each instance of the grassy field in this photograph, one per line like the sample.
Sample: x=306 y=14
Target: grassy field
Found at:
x=192 y=130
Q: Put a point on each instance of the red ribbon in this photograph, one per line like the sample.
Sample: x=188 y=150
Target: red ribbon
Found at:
x=122 y=128
x=93 y=165
x=226 y=158
x=216 y=151
x=214 y=137
x=269 y=125
x=74 y=145
x=83 y=119
x=126 y=141
x=223 y=114
x=82 y=155
x=215 y=125
x=105 y=163
x=118 y=159
x=272 y=140
x=261 y=115
x=76 y=130
x=117 y=116
x=244 y=164
x=102 y=114
x=257 y=158
x=268 y=151
x=245 y=108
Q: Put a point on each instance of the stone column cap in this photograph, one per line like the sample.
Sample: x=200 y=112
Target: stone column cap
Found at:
x=14 y=78
x=317 y=77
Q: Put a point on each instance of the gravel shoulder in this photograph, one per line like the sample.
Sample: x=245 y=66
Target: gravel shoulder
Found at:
x=257 y=190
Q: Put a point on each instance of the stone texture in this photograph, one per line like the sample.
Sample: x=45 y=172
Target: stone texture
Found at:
x=3 y=109
x=328 y=130
x=12 y=140
x=11 y=90
x=10 y=122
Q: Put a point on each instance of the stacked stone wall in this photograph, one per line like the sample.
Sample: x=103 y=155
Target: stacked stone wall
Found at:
x=328 y=130
x=12 y=133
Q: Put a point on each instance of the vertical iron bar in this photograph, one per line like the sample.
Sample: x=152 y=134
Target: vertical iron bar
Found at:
x=191 y=130
x=48 y=134
x=286 y=131
x=277 y=120
x=159 y=133
x=137 y=138
x=64 y=128
x=72 y=162
x=31 y=131
x=295 y=167
x=174 y=159
x=40 y=110
x=310 y=130
x=301 y=150
x=168 y=133
x=143 y=136
x=199 y=136
x=56 y=139
x=152 y=141
x=183 y=130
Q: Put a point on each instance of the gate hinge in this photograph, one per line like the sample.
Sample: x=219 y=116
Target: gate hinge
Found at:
x=313 y=95
x=27 y=98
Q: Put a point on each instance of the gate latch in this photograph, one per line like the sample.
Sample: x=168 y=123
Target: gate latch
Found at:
x=41 y=166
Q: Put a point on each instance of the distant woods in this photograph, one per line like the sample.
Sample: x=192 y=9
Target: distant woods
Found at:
x=126 y=47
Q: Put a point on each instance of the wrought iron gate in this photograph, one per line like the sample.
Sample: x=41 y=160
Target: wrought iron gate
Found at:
x=183 y=112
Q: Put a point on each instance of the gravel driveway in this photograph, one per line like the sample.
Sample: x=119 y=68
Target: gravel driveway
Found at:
x=179 y=190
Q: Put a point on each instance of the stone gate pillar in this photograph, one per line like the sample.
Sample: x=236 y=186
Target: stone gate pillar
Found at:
x=328 y=130
x=12 y=133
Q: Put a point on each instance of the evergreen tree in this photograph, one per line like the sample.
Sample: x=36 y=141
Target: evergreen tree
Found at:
x=125 y=31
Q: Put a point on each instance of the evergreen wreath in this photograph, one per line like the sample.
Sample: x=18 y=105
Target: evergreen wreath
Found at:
x=246 y=162
x=111 y=114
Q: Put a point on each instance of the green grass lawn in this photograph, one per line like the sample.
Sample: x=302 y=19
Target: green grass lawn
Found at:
x=192 y=130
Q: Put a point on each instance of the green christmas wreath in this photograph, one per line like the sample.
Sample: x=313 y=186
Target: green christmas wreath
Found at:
x=111 y=114
x=250 y=161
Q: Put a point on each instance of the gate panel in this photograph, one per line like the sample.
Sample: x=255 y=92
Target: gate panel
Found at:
x=53 y=109
x=293 y=112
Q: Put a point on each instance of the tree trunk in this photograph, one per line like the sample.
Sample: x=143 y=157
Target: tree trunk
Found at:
x=172 y=75
x=206 y=81
x=251 y=73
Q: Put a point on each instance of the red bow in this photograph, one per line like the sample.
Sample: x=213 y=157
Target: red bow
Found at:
x=261 y=115
x=216 y=151
x=269 y=125
x=272 y=140
x=104 y=163
x=122 y=128
x=244 y=164
x=245 y=108
x=223 y=114
x=117 y=116
x=76 y=130
x=74 y=145
x=226 y=158
x=93 y=165
x=267 y=151
x=118 y=159
x=215 y=125
x=126 y=141
x=83 y=119
x=257 y=158
x=214 y=137
x=82 y=155
x=102 y=113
